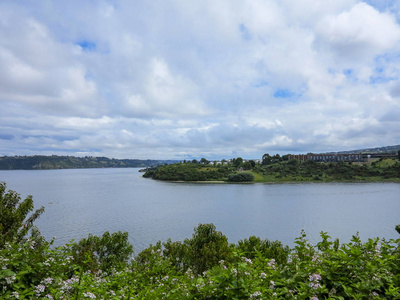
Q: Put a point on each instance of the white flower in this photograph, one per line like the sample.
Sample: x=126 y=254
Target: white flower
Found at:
x=39 y=289
x=47 y=280
x=10 y=279
x=255 y=295
x=272 y=286
x=89 y=295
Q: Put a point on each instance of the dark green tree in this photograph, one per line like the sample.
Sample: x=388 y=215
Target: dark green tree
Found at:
x=269 y=249
x=237 y=162
x=207 y=247
x=177 y=253
x=276 y=158
x=105 y=252
x=204 y=161
x=266 y=159
x=247 y=165
x=15 y=221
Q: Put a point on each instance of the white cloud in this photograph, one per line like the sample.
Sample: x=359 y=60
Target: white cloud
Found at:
x=42 y=73
x=359 y=33
x=167 y=79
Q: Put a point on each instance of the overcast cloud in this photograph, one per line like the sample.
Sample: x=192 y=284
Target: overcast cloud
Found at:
x=183 y=79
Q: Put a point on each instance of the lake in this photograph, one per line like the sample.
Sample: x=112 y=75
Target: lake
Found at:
x=83 y=201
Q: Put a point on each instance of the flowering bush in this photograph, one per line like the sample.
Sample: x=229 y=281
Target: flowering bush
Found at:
x=355 y=270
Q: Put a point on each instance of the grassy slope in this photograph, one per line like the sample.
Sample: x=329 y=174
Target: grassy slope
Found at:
x=378 y=165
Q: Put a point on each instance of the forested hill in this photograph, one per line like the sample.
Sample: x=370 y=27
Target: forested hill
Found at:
x=42 y=162
x=385 y=149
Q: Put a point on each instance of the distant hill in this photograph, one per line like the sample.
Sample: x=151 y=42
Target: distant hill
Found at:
x=386 y=149
x=43 y=162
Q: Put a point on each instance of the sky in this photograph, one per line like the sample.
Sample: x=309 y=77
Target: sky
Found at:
x=178 y=79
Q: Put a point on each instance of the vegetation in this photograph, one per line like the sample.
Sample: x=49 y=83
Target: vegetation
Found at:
x=189 y=172
x=385 y=149
x=205 y=266
x=15 y=222
x=278 y=168
x=382 y=170
x=42 y=162
x=111 y=251
x=241 y=177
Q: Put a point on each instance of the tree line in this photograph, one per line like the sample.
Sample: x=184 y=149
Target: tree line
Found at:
x=43 y=162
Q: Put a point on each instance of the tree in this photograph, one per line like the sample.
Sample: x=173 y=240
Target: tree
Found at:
x=266 y=159
x=15 y=223
x=247 y=165
x=276 y=158
x=207 y=247
x=398 y=154
x=105 y=252
x=204 y=161
x=253 y=246
x=237 y=162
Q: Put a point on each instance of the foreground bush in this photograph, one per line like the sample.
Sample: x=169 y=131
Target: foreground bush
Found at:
x=111 y=251
x=354 y=270
x=15 y=221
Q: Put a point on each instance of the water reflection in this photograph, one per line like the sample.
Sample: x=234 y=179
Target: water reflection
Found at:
x=79 y=202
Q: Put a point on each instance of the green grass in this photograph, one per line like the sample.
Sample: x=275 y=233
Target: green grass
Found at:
x=385 y=163
x=258 y=177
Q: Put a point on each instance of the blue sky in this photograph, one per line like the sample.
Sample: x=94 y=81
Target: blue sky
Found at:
x=176 y=80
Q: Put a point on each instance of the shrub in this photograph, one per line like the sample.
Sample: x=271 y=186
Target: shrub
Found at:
x=254 y=246
x=14 y=220
x=241 y=177
x=104 y=253
x=206 y=248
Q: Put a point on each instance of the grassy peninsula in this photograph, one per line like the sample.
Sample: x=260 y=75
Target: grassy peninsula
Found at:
x=279 y=169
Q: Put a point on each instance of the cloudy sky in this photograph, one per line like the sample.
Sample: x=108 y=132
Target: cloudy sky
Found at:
x=178 y=79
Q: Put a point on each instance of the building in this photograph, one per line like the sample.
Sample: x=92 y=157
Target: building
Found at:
x=341 y=157
x=329 y=157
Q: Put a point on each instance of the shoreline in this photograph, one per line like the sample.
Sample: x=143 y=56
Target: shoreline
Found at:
x=282 y=182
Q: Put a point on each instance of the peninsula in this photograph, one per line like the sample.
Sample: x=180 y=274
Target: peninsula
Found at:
x=287 y=168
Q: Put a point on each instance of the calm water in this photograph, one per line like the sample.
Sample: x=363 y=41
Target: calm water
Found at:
x=79 y=202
